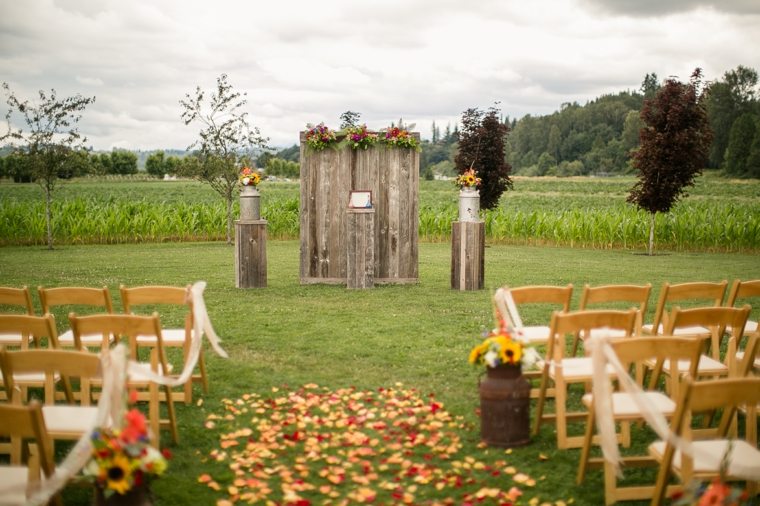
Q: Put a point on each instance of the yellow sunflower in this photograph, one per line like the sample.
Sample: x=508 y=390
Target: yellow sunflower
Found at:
x=119 y=474
x=511 y=352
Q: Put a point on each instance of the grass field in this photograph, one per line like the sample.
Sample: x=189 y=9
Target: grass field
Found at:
x=288 y=335
x=720 y=214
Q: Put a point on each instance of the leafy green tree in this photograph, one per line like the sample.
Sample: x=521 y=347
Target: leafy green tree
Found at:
x=155 y=165
x=753 y=159
x=650 y=85
x=226 y=140
x=675 y=143
x=49 y=141
x=739 y=145
x=481 y=146
x=349 y=119
x=122 y=162
x=284 y=168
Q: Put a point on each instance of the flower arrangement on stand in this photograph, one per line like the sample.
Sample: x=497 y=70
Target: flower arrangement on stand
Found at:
x=319 y=137
x=715 y=493
x=122 y=460
x=400 y=138
x=358 y=137
x=468 y=179
x=249 y=177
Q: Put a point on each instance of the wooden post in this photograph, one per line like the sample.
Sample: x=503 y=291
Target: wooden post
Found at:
x=360 y=257
x=251 y=254
x=468 y=241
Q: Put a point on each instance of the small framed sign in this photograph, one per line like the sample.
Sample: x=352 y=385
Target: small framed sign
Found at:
x=360 y=199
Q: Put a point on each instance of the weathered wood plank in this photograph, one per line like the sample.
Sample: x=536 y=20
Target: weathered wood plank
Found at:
x=360 y=259
x=467 y=255
x=251 y=254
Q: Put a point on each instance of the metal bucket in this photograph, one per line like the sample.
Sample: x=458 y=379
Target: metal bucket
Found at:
x=469 y=204
x=505 y=407
x=250 y=207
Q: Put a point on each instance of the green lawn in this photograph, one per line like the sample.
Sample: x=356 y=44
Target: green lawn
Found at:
x=418 y=335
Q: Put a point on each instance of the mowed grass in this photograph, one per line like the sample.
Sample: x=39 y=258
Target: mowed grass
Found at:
x=287 y=335
x=719 y=215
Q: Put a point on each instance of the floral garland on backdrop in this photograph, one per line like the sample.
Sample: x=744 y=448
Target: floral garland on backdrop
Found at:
x=321 y=136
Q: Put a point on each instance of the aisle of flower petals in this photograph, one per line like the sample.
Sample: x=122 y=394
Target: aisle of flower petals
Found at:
x=347 y=446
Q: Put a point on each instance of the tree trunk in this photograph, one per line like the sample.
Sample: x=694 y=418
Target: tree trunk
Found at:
x=651 y=235
x=48 y=215
x=229 y=219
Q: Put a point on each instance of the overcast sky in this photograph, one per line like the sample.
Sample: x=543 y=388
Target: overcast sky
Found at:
x=308 y=61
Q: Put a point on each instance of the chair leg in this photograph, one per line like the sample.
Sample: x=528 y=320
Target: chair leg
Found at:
x=560 y=408
x=586 y=450
x=540 y=403
x=154 y=414
x=171 y=414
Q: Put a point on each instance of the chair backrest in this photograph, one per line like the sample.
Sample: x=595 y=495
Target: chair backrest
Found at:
x=552 y=296
x=606 y=295
x=21 y=297
x=743 y=289
x=122 y=326
x=727 y=394
x=133 y=297
x=715 y=319
x=78 y=296
x=576 y=322
x=66 y=363
x=636 y=350
x=27 y=422
x=26 y=325
x=698 y=291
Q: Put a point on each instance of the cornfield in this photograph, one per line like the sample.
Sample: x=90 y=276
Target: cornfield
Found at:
x=720 y=216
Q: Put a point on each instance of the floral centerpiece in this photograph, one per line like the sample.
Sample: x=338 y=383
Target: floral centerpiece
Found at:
x=400 y=138
x=123 y=459
x=249 y=177
x=358 y=137
x=715 y=493
x=319 y=137
x=468 y=179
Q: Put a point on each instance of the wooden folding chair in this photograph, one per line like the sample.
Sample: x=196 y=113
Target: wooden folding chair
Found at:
x=563 y=371
x=740 y=292
x=544 y=298
x=78 y=298
x=614 y=297
x=630 y=353
x=709 y=447
x=15 y=298
x=697 y=293
x=25 y=423
x=153 y=296
x=35 y=329
x=714 y=320
x=72 y=419
x=129 y=327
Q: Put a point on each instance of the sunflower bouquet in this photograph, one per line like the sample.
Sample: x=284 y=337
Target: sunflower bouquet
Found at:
x=319 y=137
x=122 y=459
x=249 y=177
x=498 y=348
x=468 y=179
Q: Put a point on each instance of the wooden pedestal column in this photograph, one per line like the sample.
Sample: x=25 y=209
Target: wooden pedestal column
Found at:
x=360 y=256
x=251 y=254
x=468 y=241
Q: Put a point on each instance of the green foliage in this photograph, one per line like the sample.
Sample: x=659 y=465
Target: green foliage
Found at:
x=283 y=168
x=740 y=139
x=122 y=162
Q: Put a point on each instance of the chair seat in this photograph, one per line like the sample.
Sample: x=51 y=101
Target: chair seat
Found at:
x=623 y=405
x=612 y=333
x=67 y=339
x=680 y=331
x=11 y=476
x=577 y=368
x=64 y=421
x=740 y=357
x=749 y=328
x=31 y=378
x=535 y=334
x=742 y=455
x=170 y=337
x=707 y=365
x=14 y=339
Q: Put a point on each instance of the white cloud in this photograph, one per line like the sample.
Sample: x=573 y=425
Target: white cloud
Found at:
x=303 y=61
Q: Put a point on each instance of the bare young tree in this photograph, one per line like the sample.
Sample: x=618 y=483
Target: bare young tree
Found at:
x=675 y=143
x=50 y=141
x=226 y=140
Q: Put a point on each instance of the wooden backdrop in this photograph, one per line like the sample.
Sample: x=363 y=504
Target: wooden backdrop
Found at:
x=327 y=177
